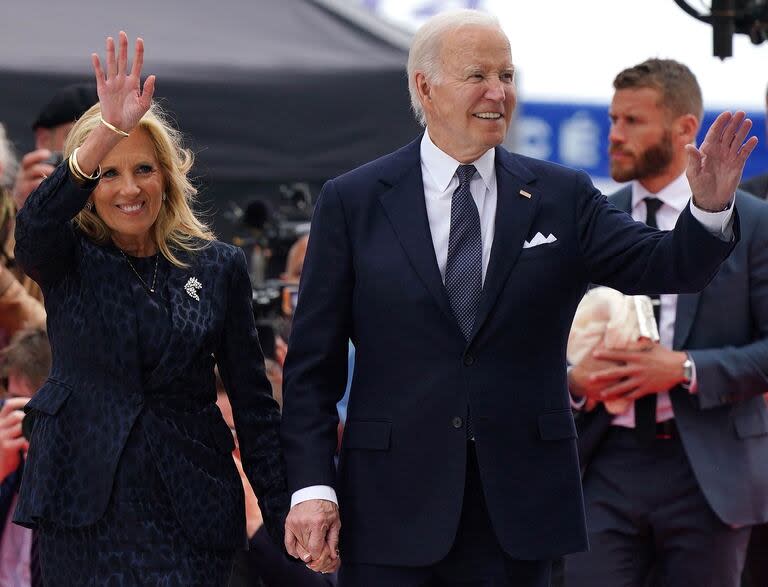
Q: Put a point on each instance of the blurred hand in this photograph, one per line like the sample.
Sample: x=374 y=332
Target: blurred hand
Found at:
x=580 y=378
x=32 y=171
x=714 y=171
x=122 y=100
x=12 y=443
x=639 y=372
x=312 y=534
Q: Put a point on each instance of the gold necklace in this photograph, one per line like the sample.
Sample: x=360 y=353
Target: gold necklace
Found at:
x=149 y=289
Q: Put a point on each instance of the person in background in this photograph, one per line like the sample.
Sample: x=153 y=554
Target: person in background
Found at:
x=455 y=268
x=758 y=185
x=756 y=567
x=18 y=309
x=51 y=127
x=26 y=362
x=681 y=472
x=142 y=302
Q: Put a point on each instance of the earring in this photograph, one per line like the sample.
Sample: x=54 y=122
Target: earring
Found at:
x=89 y=206
x=164 y=197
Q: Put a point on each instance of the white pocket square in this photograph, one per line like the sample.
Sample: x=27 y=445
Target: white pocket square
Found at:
x=539 y=239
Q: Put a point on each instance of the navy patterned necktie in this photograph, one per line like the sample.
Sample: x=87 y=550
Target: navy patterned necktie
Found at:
x=645 y=407
x=464 y=266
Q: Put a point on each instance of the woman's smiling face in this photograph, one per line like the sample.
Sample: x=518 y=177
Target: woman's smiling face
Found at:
x=130 y=193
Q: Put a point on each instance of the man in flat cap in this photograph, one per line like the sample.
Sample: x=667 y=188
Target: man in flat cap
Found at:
x=51 y=128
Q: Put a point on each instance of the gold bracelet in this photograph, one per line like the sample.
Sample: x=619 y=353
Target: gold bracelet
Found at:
x=79 y=174
x=113 y=128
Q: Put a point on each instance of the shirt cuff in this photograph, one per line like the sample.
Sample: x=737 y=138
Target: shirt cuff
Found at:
x=718 y=224
x=692 y=385
x=314 y=492
x=577 y=402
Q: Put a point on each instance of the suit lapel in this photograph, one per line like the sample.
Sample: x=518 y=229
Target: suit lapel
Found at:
x=687 y=304
x=186 y=318
x=514 y=215
x=404 y=205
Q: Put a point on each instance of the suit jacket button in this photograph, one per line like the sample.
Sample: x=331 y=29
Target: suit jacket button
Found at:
x=469 y=360
x=457 y=422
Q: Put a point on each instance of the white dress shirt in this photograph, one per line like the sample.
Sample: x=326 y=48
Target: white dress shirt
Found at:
x=438 y=171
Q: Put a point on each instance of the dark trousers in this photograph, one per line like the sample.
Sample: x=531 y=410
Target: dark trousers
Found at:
x=647 y=517
x=476 y=559
x=756 y=571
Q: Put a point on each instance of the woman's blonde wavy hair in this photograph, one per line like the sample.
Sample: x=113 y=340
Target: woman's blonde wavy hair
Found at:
x=176 y=226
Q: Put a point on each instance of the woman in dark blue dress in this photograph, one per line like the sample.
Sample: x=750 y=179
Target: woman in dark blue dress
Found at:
x=129 y=478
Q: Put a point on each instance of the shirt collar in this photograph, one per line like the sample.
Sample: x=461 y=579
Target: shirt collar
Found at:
x=442 y=167
x=675 y=194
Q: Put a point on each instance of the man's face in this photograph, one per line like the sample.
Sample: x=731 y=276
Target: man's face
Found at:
x=640 y=139
x=469 y=107
x=53 y=138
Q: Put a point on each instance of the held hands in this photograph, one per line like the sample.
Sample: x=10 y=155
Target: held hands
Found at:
x=312 y=534
x=714 y=170
x=122 y=100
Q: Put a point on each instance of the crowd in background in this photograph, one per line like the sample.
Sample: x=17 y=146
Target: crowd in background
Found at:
x=25 y=360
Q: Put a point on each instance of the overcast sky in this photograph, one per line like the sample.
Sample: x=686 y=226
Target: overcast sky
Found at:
x=571 y=49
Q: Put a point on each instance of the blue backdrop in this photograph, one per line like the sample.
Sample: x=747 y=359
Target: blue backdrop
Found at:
x=576 y=135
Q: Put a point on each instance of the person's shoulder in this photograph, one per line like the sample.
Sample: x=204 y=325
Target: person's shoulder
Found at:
x=222 y=251
x=202 y=252
x=757 y=185
x=539 y=168
x=751 y=204
x=387 y=167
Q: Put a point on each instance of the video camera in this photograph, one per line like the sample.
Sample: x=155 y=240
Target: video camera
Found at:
x=747 y=17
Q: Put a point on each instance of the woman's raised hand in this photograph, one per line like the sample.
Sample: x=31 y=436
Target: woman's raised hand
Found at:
x=123 y=102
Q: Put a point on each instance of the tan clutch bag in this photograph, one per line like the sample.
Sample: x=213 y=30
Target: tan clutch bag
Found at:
x=618 y=321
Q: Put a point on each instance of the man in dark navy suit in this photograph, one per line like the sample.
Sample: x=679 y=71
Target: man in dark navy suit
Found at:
x=756 y=569
x=758 y=185
x=455 y=268
x=681 y=473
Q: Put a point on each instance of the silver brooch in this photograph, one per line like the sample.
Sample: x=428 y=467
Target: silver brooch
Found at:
x=191 y=288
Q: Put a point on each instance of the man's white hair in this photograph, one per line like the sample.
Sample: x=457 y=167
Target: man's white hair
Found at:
x=424 y=55
x=8 y=161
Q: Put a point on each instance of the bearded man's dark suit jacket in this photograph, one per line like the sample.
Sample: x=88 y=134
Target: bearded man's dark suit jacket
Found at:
x=97 y=393
x=756 y=185
x=371 y=276
x=724 y=328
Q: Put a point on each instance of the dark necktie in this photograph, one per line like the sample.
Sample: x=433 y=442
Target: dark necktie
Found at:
x=464 y=266
x=645 y=407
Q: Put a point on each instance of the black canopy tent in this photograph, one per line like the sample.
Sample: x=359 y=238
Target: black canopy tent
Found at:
x=267 y=91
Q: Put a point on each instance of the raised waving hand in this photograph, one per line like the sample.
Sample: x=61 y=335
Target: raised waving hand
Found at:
x=714 y=170
x=123 y=100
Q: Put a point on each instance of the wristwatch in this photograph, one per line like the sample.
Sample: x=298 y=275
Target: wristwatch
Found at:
x=687 y=370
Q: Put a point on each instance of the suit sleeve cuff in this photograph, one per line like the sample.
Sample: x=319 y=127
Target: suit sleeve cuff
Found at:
x=576 y=402
x=718 y=224
x=314 y=492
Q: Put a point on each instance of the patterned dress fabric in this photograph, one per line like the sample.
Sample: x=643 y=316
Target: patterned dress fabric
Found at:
x=130 y=404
